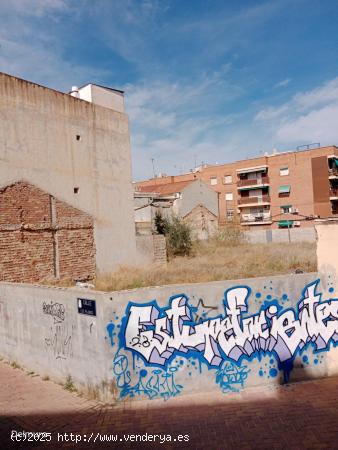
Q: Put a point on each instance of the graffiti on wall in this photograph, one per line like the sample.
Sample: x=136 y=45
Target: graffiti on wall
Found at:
x=59 y=338
x=56 y=310
x=155 y=383
x=225 y=343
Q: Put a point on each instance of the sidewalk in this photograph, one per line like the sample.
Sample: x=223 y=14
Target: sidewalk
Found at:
x=300 y=416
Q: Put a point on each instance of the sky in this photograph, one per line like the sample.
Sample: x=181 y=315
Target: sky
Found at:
x=209 y=81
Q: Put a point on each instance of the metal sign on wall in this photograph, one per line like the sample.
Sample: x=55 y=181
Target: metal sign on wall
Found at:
x=86 y=306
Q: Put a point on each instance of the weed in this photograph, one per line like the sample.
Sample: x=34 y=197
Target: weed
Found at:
x=216 y=260
x=69 y=384
x=15 y=365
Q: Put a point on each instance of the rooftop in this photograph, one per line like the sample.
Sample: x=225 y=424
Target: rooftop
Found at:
x=165 y=189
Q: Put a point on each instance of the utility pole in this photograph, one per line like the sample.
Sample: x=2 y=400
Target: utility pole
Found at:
x=152 y=161
x=289 y=231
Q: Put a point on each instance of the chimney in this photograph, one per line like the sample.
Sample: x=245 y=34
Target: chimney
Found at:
x=74 y=92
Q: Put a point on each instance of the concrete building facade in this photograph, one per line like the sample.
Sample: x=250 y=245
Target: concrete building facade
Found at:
x=274 y=191
x=193 y=200
x=78 y=152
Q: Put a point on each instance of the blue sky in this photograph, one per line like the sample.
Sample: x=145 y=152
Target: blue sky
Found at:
x=205 y=80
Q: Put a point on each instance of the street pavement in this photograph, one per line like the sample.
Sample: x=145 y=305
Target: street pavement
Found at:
x=299 y=416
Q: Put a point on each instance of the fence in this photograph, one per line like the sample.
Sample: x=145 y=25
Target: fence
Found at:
x=285 y=235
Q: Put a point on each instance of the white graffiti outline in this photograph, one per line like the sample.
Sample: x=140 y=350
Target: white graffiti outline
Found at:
x=232 y=336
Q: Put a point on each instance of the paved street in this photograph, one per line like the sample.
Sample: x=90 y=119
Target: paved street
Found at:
x=301 y=416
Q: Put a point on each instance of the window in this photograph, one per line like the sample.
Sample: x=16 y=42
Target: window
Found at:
x=284 y=190
x=227 y=179
x=78 y=137
x=213 y=181
x=283 y=171
x=76 y=190
x=229 y=196
x=286 y=209
x=230 y=214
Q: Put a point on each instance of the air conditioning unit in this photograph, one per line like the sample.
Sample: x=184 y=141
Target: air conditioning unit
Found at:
x=296 y=223
x=294 y=210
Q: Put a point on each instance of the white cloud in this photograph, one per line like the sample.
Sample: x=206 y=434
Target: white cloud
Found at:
x=271 y=113
x=36 y=7
x=283 y=83
x=31 y=48
x=322 y=95
x=178 y=122
x=309 y=116
x=316 y=126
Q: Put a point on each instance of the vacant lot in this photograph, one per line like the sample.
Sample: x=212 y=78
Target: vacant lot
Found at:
x=215 y=260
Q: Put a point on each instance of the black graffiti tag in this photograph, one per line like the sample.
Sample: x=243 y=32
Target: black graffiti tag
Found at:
x=56 y=310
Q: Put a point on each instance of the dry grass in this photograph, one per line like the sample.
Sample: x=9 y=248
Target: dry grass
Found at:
x=217 y=260
x=65 y=282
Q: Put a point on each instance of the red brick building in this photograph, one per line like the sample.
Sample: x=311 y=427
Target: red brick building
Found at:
x=43 y=238
x=272 y=191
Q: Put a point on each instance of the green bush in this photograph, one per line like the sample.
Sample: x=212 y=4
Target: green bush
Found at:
x=178 y=234
x=161 y=223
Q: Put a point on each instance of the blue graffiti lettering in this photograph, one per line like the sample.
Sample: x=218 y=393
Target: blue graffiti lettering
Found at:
x=158 y=334
x=231 y=377
x=153 y=384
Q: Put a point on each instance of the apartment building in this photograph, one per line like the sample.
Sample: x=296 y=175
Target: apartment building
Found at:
x=280 y=190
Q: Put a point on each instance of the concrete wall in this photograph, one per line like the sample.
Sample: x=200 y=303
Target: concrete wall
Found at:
x=284 y=235
x=196 y=194
x=327 y=260
x=327 y=246
x=152 y=248
x=39 y=144
x=202 y=222
x=118 y=358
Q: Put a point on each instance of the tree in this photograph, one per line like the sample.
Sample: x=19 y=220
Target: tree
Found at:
x=161 y=223
x=178 y=235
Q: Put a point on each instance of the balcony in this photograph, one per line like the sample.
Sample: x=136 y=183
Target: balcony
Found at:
x=333 y=173
x=333 y=193
x=250 y=201
x=252 y=182
x=256 y=219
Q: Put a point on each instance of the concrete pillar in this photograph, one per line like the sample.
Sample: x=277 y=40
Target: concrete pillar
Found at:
x=327 y=247
x=327 y=260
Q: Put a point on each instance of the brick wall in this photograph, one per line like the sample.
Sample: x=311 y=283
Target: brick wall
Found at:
x=160 y=249
x=42 y=238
